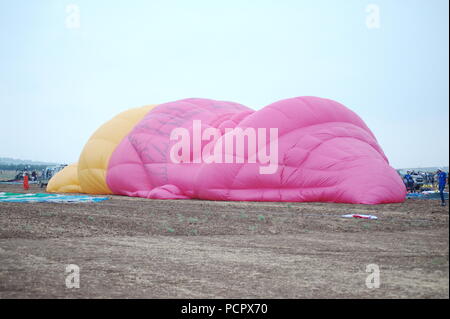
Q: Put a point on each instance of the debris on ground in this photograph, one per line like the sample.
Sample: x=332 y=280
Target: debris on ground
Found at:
x=360 y=216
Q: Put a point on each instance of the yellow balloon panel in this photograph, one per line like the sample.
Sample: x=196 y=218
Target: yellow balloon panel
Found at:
x=89 y=174
x=65 y=181
x=93 y=162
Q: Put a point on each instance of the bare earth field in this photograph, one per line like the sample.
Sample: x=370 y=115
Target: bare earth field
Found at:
x=138 y=248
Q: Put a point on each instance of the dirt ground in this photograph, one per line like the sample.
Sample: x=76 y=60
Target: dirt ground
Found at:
x=138 y=248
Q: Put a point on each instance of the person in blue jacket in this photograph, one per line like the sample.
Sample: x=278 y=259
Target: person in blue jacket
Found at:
x=409 y=181
x=442 y=179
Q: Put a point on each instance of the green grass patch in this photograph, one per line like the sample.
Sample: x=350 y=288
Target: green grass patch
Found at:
x=192 y=220
x=243 y=215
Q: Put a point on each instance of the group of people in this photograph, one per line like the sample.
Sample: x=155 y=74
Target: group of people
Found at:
x=440 y=177
x=33 y=176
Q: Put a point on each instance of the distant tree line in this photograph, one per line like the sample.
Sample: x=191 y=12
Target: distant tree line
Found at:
x=22 y=167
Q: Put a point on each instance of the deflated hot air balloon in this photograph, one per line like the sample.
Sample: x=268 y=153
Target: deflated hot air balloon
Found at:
x=304 y=149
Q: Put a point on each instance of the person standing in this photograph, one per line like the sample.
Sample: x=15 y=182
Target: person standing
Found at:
x=409 y=181
x=442 y=180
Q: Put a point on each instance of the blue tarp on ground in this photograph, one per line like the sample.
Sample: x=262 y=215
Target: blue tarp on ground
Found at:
x=48 y=198
x=427 y=195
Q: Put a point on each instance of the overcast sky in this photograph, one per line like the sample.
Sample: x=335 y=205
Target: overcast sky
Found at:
x=68 y=66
